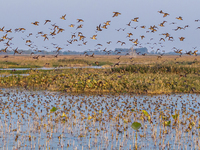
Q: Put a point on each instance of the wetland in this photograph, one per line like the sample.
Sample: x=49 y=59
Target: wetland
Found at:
x=56 y=120
x=144 y=105
x=87 y=81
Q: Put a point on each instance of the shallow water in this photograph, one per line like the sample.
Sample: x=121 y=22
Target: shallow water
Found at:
x=51 y=68
x=44 y=68
x=26 y=121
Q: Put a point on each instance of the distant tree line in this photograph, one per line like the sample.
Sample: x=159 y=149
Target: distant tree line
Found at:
x=119 y=51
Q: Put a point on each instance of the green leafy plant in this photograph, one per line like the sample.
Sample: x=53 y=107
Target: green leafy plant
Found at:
x=53 y=109
x=175 y=117
x=136 y=125
x=167 y=123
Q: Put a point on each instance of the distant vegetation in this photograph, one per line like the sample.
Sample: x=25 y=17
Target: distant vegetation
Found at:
x=142 y=74
x=123 y=51
x=158 y=68
x=144 y=80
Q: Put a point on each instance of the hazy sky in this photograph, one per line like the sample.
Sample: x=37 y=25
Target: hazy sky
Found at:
x=21 y=13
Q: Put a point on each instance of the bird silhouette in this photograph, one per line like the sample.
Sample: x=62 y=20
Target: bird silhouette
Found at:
x=116 y=64
x=36 y=23
x=63 y=17
x=179 y=18
x=181 y=38
x=98 y=28
x=2 y=29
x=93 y=37
x=79 y=26
x=71 y=25
x=116 y=14
x=195 y=52
x=80 y=20
x=135 y=19
x=46 y=21
x=165 y=14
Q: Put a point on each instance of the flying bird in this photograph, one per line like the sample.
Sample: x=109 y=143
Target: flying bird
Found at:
x=80 y=26
x=179 y=18
x=47 y=21
x=63 y=17
x=98 y=28
x=135 y=19
x=1 y=29
x=116 y=14
x=80 y=20
x=71 y=25
x=116 y=64
x=129 y=24
x=181 y=38
x=129 y=34
x=165 y=14
x=195 y=52
x=161 y=12
x=142 y=36
x=107 y=23
x=35 y=23
x=93 y=37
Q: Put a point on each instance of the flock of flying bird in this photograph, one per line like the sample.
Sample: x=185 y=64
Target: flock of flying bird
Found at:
x=79 y=37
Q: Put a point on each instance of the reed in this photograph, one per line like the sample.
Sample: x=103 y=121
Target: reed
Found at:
x=144 y=80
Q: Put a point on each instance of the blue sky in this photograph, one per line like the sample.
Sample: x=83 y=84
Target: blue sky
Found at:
x=20 y=13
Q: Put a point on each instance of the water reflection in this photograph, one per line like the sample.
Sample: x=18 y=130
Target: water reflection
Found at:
x=51 y=68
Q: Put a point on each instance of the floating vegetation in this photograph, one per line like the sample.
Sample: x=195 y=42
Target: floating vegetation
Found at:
x=53 y=109
x=136 y=125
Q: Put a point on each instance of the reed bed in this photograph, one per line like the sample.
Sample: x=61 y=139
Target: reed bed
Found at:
x=159 y=68
x=137 y=79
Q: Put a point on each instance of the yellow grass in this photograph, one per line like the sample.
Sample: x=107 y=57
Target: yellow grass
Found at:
x=50 y=61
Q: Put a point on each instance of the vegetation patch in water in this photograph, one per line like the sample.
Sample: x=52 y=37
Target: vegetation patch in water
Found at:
x=104 y=81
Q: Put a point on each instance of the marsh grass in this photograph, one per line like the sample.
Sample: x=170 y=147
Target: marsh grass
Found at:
x=51 y=61
x=70 y=62
x=157 y=68
x=14 y=71
x=24 y=61
x=102 y=64
x=149 y=78
x=104 y=81
x=73 y=61
x=22 y=71
x=7 y=63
